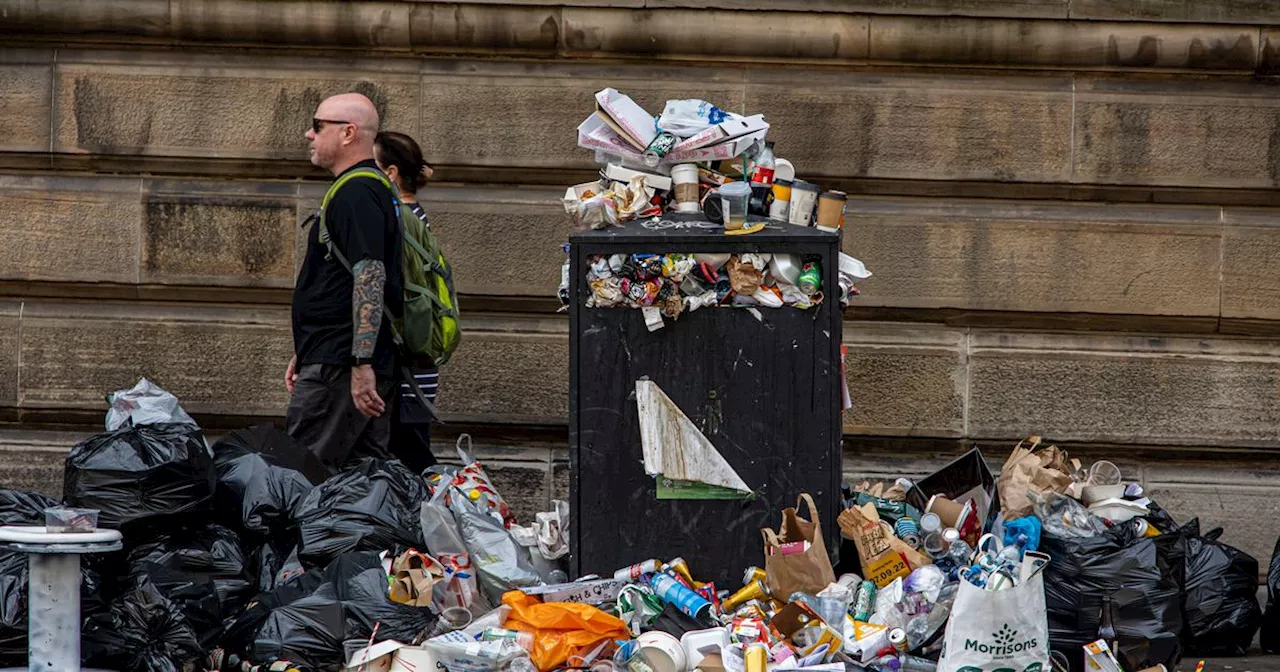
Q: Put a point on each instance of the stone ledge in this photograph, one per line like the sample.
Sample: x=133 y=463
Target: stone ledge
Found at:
x=906 y=380
x=137 y=110
x=237 y=238
x=969 y=32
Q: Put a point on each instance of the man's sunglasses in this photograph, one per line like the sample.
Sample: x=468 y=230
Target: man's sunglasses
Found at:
x=318 y=124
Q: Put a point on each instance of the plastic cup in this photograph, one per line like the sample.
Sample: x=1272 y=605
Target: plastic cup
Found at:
x=803 y=197
x=734 y=200
x=684 y=177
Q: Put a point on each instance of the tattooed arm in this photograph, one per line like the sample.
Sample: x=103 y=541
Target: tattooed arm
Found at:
x=366 y=314
x=366 y=306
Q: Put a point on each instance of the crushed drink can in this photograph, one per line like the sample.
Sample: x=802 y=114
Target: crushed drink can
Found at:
x=755 y=590
x=865 y=604
x=671 y=591
x=659 y=148
x=634 y=572
x=752 y=574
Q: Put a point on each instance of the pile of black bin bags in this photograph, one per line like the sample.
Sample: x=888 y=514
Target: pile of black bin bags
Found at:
x=1175 y=594
x=250 y=545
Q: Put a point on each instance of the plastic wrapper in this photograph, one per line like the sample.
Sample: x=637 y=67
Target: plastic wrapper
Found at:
x=203 y=572
x=142 y=631
x=263 y=477
x=1143 y=577
x=560 y=629
x=150 y=476
x=1221 y=603
x=474 y=656
x=689 y=117
x=374 y=506
x=498 y=560
x=1063 y=517
x=1270 y=631
x=145 y=404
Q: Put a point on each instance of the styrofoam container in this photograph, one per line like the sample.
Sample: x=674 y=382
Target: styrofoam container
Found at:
x=662 y=651
x=1118 y=510
x=695 y=640
x=1092 y=494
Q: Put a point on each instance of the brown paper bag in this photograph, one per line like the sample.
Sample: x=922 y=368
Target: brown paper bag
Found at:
x=1031 y=468
x=807 y=571
x=415 y=574
x=884 y=556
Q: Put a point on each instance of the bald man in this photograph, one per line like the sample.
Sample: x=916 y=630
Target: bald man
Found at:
x=341 y=375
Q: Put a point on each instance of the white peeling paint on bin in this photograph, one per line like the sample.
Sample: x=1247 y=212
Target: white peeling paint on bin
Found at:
x=53 y=590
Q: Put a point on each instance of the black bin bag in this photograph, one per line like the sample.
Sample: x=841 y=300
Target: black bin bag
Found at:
x=263 y=477
x=374 y=506
x=203 y=571
x=1144 y=578
x=142 y=631
x=1221 y=604
x=142 y=478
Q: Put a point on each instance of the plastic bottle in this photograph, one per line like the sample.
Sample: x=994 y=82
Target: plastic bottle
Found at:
x=763 y=171
x=1011 y=556
x=910 y=663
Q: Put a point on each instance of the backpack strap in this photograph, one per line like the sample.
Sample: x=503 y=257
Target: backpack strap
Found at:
x=334 y=252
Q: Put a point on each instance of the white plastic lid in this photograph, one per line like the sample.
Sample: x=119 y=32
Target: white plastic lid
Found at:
x=735 y=189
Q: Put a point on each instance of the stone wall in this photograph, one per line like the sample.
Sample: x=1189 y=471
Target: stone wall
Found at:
x=1070 y=209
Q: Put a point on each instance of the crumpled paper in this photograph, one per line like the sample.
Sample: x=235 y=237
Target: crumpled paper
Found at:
x=744 y=277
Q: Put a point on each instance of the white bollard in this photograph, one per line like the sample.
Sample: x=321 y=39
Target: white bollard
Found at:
x=53 y=590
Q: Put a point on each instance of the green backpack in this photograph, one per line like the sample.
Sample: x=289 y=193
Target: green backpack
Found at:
x=430 y=325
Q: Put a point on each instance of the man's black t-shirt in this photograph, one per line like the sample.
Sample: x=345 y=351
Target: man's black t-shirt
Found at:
x=363 y=224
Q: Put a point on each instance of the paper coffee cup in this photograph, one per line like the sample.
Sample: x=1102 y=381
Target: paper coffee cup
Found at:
x=946 y=509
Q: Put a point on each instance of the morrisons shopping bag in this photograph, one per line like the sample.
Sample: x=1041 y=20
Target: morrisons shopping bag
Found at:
x=998 y=630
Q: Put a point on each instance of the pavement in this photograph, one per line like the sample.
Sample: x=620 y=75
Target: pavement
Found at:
x=1257 y=661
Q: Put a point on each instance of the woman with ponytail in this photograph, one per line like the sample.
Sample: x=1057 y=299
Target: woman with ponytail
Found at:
x=400 y=158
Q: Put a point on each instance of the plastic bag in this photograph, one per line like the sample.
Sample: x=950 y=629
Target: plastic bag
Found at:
x=153 y=474
x=560 y=629
x=439 y=529
x=144 y=404
x=687 y=118
x=374 y=506
x=1270 y=638
x=1028 y=525
x=263 y=477
x=1143 y=577
x=1064 y=517
x=496 y=556
x=142 y=631
x=1221 y=603
x=204 y=572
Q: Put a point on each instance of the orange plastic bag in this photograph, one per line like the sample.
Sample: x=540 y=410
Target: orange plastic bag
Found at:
x=560 y=629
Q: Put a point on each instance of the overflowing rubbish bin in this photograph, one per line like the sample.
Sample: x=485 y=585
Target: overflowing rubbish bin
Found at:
x=683 y=438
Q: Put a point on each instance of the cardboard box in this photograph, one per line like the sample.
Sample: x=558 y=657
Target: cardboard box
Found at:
x=724 y=150
x=727 y=130
x=594 y=133
x=619 y=174
x=626 y=118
